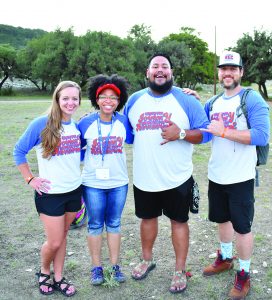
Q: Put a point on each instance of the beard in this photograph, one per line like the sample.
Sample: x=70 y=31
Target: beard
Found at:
x=232 y=86
x=161 y=89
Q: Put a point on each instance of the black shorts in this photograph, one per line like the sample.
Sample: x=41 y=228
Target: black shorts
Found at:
x=173 y=203
x=232 y=202
x=58 y=204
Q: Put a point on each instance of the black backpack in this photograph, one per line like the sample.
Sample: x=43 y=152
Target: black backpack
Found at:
x=262 y=151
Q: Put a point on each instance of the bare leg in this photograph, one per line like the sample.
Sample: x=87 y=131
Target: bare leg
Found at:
x=226 y=232
x=94 y=245
x=149 y=231
x=54 y=231
x=244 y=245
x=114 y=240
x=61 y=253
x=180 y=240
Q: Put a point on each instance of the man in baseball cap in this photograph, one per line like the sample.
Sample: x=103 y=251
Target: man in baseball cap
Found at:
x=230 y=58
x=232 y=169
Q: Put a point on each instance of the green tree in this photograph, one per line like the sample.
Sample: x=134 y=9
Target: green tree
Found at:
x=200 y=68
x=256 y=53
x=18 y=37
x=180 y=55
x=45 y=60
x=101 y=53
x=7 y=63
x=144 y=47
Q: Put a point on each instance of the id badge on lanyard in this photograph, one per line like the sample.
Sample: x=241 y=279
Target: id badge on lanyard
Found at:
x=103 y=173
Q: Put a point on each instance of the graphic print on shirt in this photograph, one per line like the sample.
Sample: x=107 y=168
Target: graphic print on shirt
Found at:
x=153 y=120
x=68 y=144
x=115 y=145
x=228 y=119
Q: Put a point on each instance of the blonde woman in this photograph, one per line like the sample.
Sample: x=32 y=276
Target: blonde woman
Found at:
x=56 y=140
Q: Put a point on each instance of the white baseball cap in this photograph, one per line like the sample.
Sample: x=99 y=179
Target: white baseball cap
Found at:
x=230 y=58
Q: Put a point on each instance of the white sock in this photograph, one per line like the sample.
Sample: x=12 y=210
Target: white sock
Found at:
x=244 y=264
x=226 y=250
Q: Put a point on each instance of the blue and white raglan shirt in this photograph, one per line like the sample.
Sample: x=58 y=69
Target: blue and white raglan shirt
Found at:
x=63 y=168
x=162 y=167
x=115 y=156
x=233 y=162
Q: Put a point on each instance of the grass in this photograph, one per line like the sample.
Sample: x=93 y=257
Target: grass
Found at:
x=21 y=233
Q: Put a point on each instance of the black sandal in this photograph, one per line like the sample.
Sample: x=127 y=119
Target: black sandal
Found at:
x=45 y=283
x=57 y=286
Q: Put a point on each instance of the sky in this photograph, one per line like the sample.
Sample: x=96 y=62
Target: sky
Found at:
x=225 y=20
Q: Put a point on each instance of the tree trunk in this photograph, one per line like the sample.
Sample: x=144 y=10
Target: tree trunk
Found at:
x=3 y=80
x=263 y=90
x=35 y=83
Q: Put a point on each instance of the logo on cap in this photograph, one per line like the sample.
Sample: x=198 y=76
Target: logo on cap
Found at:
x=229 y=56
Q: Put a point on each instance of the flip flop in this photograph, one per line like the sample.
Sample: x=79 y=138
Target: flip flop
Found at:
x=140 y=271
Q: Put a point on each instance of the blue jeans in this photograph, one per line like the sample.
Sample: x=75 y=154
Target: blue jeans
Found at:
x=104 y=206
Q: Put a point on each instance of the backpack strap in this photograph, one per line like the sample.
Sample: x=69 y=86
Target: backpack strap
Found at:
x=243 y=104
x=214 y=98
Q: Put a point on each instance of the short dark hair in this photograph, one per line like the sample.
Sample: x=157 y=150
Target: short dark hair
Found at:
x=163 y=55
x=100 y=80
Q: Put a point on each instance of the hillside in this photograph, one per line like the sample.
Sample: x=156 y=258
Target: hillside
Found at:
x=18 y=36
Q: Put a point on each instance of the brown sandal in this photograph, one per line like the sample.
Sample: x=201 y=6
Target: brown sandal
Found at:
x=141 y=273
x=179 y=282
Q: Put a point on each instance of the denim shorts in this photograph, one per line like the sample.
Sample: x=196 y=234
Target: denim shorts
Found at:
x=104 y=208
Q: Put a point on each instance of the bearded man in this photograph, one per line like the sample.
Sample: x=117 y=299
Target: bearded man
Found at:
x=165 y=122
x=232 y=167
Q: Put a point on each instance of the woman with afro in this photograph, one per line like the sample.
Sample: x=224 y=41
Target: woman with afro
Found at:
x=104 y=175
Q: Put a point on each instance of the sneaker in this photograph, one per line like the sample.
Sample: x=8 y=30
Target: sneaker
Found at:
x=117 y=274
x=97 y=276
x=219 y=265
x=241 y=286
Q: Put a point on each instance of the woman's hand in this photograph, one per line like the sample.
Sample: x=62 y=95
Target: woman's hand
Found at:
x=40 y=185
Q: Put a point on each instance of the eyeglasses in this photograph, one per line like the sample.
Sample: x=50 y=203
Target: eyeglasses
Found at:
x=104 y=97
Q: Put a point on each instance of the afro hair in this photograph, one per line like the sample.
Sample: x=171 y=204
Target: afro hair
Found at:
x=100 y=80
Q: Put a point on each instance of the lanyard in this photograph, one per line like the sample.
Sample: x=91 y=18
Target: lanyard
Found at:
x=100 y=139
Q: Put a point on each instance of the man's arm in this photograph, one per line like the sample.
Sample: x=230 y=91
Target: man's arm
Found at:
x=172 y=133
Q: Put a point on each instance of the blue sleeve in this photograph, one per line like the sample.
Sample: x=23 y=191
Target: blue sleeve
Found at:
x=132 y=99
x=258 y=118
x=83 y=126
x=128 y=127
x=29 y=139
x=195 y=112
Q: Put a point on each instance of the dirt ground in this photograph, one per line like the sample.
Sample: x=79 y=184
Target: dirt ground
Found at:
x=21 y=236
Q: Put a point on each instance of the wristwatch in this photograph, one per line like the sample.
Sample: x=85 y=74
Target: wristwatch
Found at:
x=182 y=134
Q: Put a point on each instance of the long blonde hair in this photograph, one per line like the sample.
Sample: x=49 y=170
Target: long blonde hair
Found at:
x=52 y=132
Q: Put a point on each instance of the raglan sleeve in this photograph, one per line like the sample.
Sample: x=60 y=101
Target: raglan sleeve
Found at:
x=29 y=139
x=258 y=118
x=198 y=119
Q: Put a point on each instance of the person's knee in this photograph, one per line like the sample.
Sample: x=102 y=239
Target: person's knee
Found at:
x=54 y=245
x=95 y=230
x=113 y=226
x=114 y=229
